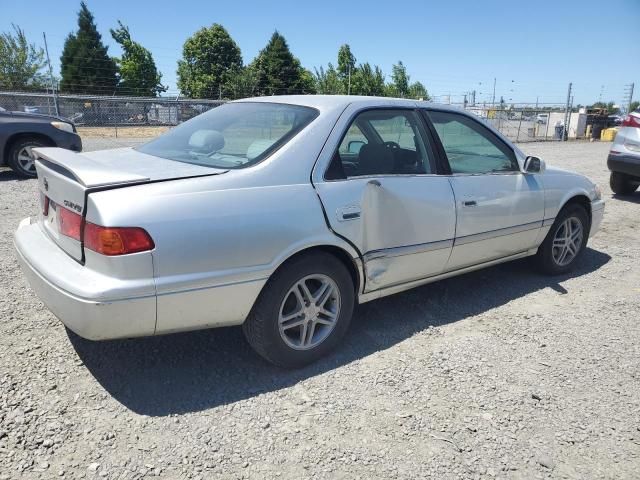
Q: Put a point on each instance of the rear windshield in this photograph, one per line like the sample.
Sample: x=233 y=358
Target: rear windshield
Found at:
x=234 y=135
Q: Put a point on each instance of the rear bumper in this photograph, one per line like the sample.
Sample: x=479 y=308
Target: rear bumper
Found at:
x=102 y=308
x=91 y=318
x=628 y=164
x=597 y=213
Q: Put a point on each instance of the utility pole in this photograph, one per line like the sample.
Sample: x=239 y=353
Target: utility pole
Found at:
x=493 y=97
x=567 y=114
x=473 y=98
x=53 y=87
x=628 y=96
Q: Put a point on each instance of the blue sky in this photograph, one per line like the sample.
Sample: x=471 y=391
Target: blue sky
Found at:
x=534 y=48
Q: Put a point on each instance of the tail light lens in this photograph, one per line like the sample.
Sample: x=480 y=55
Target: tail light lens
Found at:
x=116 y=240
x=69 y=223
x=631 y=121
x=103 y=240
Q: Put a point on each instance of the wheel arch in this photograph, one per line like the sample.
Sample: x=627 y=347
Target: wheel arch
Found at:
x=16 y=137
x=342 y=253
x=578 y=198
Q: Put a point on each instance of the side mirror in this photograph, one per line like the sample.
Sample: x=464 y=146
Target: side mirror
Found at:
x=534 y=165
x=355 y=146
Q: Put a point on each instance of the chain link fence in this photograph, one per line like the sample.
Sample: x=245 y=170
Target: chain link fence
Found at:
x=143 y=117
x=104 y=111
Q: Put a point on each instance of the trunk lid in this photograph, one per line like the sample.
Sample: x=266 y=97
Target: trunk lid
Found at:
x=65 y=178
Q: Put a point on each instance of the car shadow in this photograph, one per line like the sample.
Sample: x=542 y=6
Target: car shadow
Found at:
x=633 y=198
x=194 y=371
x=7 y=175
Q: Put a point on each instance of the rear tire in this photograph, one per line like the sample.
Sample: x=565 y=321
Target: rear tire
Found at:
x=303 y=312
x=622 y=184
x=565 y=243
x=21 y=159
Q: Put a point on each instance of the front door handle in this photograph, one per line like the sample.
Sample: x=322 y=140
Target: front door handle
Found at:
x=374 y=183
x=470 y=203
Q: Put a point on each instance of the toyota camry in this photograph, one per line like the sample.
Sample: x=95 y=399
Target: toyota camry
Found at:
x=281 y=214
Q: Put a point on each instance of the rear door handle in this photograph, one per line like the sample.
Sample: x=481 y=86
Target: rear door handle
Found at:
x=348 y=212
x=374 y=183
x=470 y=203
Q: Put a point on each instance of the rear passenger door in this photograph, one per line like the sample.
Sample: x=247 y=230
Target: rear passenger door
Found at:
x=380 y=190
x=499 y=208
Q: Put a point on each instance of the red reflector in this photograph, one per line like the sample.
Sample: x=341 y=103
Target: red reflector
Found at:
x=44 y=201
x=69 y=223
x=116 y=240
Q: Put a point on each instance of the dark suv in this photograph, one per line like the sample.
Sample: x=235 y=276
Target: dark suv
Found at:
x=20 y=132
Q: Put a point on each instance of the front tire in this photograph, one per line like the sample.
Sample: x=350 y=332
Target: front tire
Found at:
x=622 y=184
x=566 y=241
x=21 y=158
x=303 y=312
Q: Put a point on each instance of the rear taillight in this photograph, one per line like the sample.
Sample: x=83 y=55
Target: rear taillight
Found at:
x=69 y=223
x=116 y=240
x=631 y=121
x=103 y=240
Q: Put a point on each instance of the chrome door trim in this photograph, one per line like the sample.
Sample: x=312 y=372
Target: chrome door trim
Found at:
x=478 y=237
x=383 y=292
x=408 y=250
x=547 y=222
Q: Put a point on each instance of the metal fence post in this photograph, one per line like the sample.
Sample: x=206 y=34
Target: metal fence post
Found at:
x=519 y=125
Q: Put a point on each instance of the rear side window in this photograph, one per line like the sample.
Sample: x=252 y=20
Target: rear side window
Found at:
x=471 y=147
x=382 y=142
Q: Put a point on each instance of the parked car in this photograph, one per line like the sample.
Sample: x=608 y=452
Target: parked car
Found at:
x=20 y=132
x=542 y=118
x=282 y=213
x=624 y=156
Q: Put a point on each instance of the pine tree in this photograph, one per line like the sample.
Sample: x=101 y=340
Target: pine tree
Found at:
x=278 y=72
x=138 y=73
x=85 y=63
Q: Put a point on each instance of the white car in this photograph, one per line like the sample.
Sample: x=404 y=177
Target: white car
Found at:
x=281 y=213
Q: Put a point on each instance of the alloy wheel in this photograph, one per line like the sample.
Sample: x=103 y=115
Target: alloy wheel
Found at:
x=309 y=312
x=567 y=241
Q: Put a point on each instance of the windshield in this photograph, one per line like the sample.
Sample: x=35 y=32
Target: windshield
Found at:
x=234 y=135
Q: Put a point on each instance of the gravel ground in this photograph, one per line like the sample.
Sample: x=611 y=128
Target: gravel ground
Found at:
x=500 y=373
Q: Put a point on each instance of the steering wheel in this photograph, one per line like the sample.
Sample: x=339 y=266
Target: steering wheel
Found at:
x=391 y=145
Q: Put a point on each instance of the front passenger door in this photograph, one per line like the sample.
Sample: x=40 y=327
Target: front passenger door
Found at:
x=499 y=208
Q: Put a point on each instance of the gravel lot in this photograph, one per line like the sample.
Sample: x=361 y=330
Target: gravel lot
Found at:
x=500 y=373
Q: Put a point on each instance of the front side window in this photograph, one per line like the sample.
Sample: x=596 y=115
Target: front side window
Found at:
x=234 y=135
x=470 y=147
x=382 y=142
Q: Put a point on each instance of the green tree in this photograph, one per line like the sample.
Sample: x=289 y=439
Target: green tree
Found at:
x=368 y=81
x=634 y=106
x=138 y=73
x=346 y=66
x=418 y=90
x=278 y=72
x=21 y=62
x=399 y=86
x=327 y=81
x=242 y=82
x=85 y=63
x=210 y=57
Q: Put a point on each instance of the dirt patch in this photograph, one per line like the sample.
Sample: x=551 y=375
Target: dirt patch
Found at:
x=121 y=132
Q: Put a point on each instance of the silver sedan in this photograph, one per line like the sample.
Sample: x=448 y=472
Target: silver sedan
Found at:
x=280 y=214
